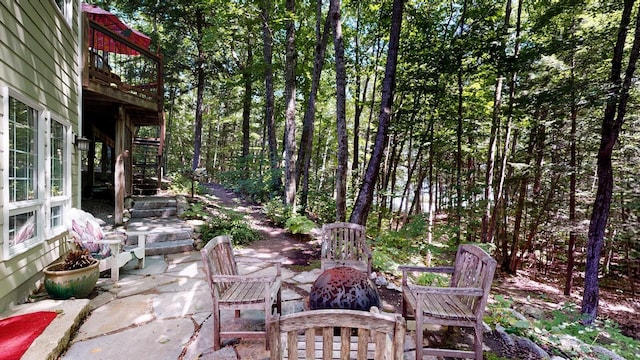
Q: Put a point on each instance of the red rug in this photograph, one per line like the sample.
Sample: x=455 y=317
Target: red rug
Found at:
x=18 y=332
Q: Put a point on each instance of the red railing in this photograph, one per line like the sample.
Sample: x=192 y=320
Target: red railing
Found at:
x=113 y=60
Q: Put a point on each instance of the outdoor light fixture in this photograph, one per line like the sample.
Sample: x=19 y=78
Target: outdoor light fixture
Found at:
x=82 y=143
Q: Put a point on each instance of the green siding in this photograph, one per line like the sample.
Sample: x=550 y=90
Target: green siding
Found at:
x=38 y=59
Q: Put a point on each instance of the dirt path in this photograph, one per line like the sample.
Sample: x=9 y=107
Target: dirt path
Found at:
x=298 y=250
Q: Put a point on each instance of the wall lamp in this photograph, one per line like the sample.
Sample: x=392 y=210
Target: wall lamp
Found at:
x=82 y=143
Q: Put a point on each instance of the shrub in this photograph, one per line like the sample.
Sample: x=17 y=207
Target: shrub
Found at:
x=229 y=224
x=298 y=224
x=277 y=212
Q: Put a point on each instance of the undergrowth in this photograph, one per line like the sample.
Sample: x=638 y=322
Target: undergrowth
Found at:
x=563 y=333
x=221 y=222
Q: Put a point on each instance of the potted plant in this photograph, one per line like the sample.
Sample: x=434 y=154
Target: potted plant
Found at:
x=75 y=277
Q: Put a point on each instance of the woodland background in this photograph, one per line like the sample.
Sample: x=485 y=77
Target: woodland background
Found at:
x=510 y=123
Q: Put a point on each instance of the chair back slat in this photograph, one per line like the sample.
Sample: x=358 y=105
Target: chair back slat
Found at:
x=474 y=268
x=345 y=243
x=337 y=334
x=219 y=259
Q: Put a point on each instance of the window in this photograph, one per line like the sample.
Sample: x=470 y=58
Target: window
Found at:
x=57 y=158
x=65 y=8
x=24 y=194
x=23 y=151
x=59 y=186
x=37 y=154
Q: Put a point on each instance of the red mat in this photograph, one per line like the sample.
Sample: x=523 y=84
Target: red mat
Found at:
x=18 y=332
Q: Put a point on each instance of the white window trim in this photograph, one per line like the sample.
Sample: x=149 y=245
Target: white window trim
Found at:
x=65 y=199
x=66 y=12
x=42 y=205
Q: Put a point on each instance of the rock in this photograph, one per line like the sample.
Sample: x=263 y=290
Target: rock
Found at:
x=517 y=315
x=181 y=204
x=502 y=335
x=531 y=347
x=393 y=286
x=533 y=312
x=606 y=353
x=381 y=281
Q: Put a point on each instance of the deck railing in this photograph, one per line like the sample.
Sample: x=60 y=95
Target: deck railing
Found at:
x=113 y=60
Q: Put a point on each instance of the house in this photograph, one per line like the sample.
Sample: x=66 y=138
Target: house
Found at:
x=73 y=88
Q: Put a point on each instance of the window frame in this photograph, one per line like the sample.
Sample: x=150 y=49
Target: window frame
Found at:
x=65 y=10
x=42 y=204
x=63 y=200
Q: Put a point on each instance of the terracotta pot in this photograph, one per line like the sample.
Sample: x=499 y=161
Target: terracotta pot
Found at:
x=64 y=284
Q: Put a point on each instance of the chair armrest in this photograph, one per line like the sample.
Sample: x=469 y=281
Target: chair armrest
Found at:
x=435 y=269
x=417 y=289
x=244 y=278
x=276 y=262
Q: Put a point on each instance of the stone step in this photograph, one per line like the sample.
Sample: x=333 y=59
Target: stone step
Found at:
x=153 y=202
x=169 y=247
x=164 y=235
x=164 y=212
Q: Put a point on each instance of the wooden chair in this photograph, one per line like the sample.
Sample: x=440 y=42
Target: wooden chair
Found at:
x=460 y=304
x=362 y=335
x=345 y=244
x=232 y=291
x=110 y=248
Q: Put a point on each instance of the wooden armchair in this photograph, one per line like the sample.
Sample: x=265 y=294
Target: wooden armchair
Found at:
x=460 y=304
x=232 y=291
x=362 y=335
x=345 y=244
x=110 y=248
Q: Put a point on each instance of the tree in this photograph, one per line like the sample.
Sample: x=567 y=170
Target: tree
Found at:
x=365 y=195
x=308 y=124
x=341 y=121
x=614 y=114
x=269 y=116
x=290 y=100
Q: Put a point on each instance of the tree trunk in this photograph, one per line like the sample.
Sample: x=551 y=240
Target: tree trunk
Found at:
x=365 y=196
x=611 y=124
x=491 y=158
x=572 y=183
x=290 y=98
x=359 y=103
x=459 y=130
x=200 y=80
x=308 y=124
x=511 y=264
x=246 y=108
x=378 y=52
x=276 y=182
x=341 y=121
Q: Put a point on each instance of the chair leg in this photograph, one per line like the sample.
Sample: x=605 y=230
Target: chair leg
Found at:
x=216 y=326
x=267 y=315
x=279 y=302
x=419 y=338
x=477 y=341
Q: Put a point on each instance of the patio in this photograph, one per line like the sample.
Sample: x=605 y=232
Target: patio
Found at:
x=162 y=311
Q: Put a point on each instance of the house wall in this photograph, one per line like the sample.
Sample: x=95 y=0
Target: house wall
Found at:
x=39 y=60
